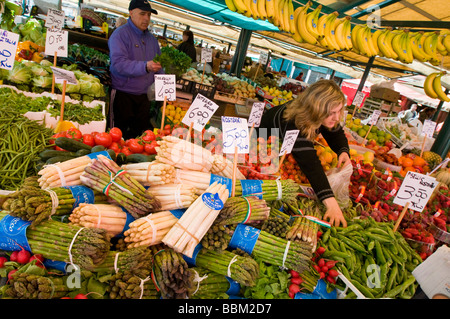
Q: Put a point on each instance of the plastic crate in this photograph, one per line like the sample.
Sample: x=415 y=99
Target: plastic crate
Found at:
x=207 y=91
x=184 y=85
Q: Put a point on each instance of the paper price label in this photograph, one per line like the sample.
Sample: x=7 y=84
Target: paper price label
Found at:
x=206 y=55
x=62 y=75
x=358 y=99
x=256 y=114
x=200 y=112
x=165 y=86
x=263 y=58
x=428 y=128
x=374 y=117
x=416 y=190
x=56 y=41
x=8 y=48
x=55 y=19
x=235 y=134
x=289 y=140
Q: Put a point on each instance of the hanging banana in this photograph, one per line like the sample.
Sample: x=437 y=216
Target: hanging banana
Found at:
x=428 y=85
x=296 y=35
x=301 y=25
x=312 y=20
x=262 y=9
x=230 y=5
x=437 y=88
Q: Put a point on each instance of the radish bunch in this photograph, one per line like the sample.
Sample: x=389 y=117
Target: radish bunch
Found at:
x=325 y=267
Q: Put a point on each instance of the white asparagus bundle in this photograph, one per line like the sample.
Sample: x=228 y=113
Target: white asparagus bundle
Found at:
x=189 y=230
x=174 y=196
x=200 y=180
x=222 y=166
x=65 y=173
x=105 y=216
x=149 y=230
x=151 y=173
x=183 y=154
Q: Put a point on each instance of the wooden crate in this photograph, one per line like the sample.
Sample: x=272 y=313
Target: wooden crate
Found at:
x=225 y=97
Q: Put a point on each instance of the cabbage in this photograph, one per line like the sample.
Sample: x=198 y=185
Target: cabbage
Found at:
x=46 y=63
x=20 y=74
x=43 y=81
x=70 y=88
x=40 y=70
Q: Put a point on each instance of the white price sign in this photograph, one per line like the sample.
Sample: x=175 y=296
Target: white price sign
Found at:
x=358 y=99
x=55 y=19
x=206 y=55
x=200 y=112
x=428 y=128
x=289 y=140
x=62 y=75
x=263 y=58
x=56 y=41
x=374 y=117
x=165 y=86
x=416 y=190
x=235 y=134
x=256 y=114
x=8 y=48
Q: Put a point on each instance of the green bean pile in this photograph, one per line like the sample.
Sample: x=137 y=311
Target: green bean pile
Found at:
x=21 y=140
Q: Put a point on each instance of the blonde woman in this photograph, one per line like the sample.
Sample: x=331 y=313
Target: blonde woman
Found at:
x=317 y=110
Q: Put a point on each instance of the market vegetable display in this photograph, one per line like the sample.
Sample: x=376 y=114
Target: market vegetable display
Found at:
x=209 y=285
x=30 y=286
x=151 y=173
x=135 y=260
x=127 y=285
x=174 y=196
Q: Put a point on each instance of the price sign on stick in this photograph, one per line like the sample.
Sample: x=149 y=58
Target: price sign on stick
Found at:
x=62 y=75
x=263 y=58
x=56 y=42
x=206 y=55
x=200 y=112
x=235 y=134
x=165 y=87
x=428 y=128
x=8 y=48
x=289 y=140
x=256 y=113
x=374 y=118
x=357 y=101
x=55 y=19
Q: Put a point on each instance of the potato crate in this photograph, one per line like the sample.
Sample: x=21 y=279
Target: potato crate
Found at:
x=184 y=85
x=207 y=91
x=225 y=97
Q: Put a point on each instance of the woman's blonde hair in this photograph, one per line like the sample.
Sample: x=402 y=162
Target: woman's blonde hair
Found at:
x=313 y=106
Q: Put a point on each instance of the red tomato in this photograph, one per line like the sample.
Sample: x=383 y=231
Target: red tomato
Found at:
x=125 y=150
x=148 y=136
x=136 y=146
x=55 y=136
x=115 y=147
x=103 y=139
x=150 y=148
x=94 y=133
x=88 y=139
x=74 y=133
x=116 y=134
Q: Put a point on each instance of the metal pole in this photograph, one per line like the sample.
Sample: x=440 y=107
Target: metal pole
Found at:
x=165 y=30
x=438 y=109
x=441 y=145
x=240 y=52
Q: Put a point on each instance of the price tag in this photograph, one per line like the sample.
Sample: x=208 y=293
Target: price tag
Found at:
x=200 y=112
x=256 y=114
x=358 y=99
x=289 y=140
x=428 y=128
x=206 y=55
x=61 y=75
x=263 y=58
x=374 y=117
x=165 y=86
x=235 y=133
x=8 y=48
x=416 y=190
x=56 y=41
x=55 y=19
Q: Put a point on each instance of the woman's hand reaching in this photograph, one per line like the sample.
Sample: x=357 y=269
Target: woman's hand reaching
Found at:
x=334 y=213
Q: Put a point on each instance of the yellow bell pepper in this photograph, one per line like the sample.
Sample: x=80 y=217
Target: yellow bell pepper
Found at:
x=37 y=57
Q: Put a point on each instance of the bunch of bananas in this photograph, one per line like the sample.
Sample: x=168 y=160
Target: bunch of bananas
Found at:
x=433 y=88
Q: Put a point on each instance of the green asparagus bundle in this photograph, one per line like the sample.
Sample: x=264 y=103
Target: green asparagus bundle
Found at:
x=135 y=260
x=105 y=176
x=208 y=284
x=36 y=205
x=277 y=224
x=248 y=210
x=127 y=285
x=243 y=269
x=30 y=286
x=170 y=273
x=309 y=281
x=273 y=190
x=218 y=237
x=84 y=247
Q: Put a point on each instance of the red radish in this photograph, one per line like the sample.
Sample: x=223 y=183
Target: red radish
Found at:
x=321 y=275
x=330 y=264
x=294 y=288
x=11 y=273
x=294 y=274
x=23 y=256
x=297 y=280
x=38 y=257
x=291 y=295
x=324 y=269
x=2 y=261
x=320 y=250
x=333 y=272
x=316 y=268
x=321 y=262
x=13 y=256
x=331 y=279
x=65 y=298
x=80 y=296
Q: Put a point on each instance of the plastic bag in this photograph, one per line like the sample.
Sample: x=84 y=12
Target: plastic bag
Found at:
x=339 y=179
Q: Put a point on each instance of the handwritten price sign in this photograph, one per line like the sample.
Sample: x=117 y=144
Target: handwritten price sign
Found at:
x=62 y=75
x=358 y=99
x=416 y=190
x=206 y=55
x=8 y=48
x=56 y=41
x=428 y=128
x=289 y=140
x=235 y=134
x=263 y=57
x=200 y=112
x=256 y=114
x=165 y=86
x=55 y=19
x=374 y=117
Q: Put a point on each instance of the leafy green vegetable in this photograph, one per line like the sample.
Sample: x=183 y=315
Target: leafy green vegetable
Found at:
x=173 y=61
x=20 y=74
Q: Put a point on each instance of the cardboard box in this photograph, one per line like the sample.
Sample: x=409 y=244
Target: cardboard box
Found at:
x=384 y=94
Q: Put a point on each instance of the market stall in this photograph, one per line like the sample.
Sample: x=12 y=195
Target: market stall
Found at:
x=178 y=213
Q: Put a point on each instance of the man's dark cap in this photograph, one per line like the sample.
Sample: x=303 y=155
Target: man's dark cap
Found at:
x=141 y=4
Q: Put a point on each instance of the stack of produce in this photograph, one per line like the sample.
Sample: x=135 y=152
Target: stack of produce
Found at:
x=84 y=247
x=174 y=196
x=170 y=273
x=151 y=173
x=30 y=286
x=104 y=175
x=248 y=210
x=149 y=230
x=218 y=237
x=109 y=217
x=367 y=242
x=222 y=166
x=189 y=230
x=183 y=154
x=128 y=285
x=210 y=285
x=22 y=141
x=36 y=205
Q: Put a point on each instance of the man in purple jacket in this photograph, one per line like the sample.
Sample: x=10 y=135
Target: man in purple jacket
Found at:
x=132 y=48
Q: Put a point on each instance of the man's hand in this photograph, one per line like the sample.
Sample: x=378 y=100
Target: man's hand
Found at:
x=153 y=66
